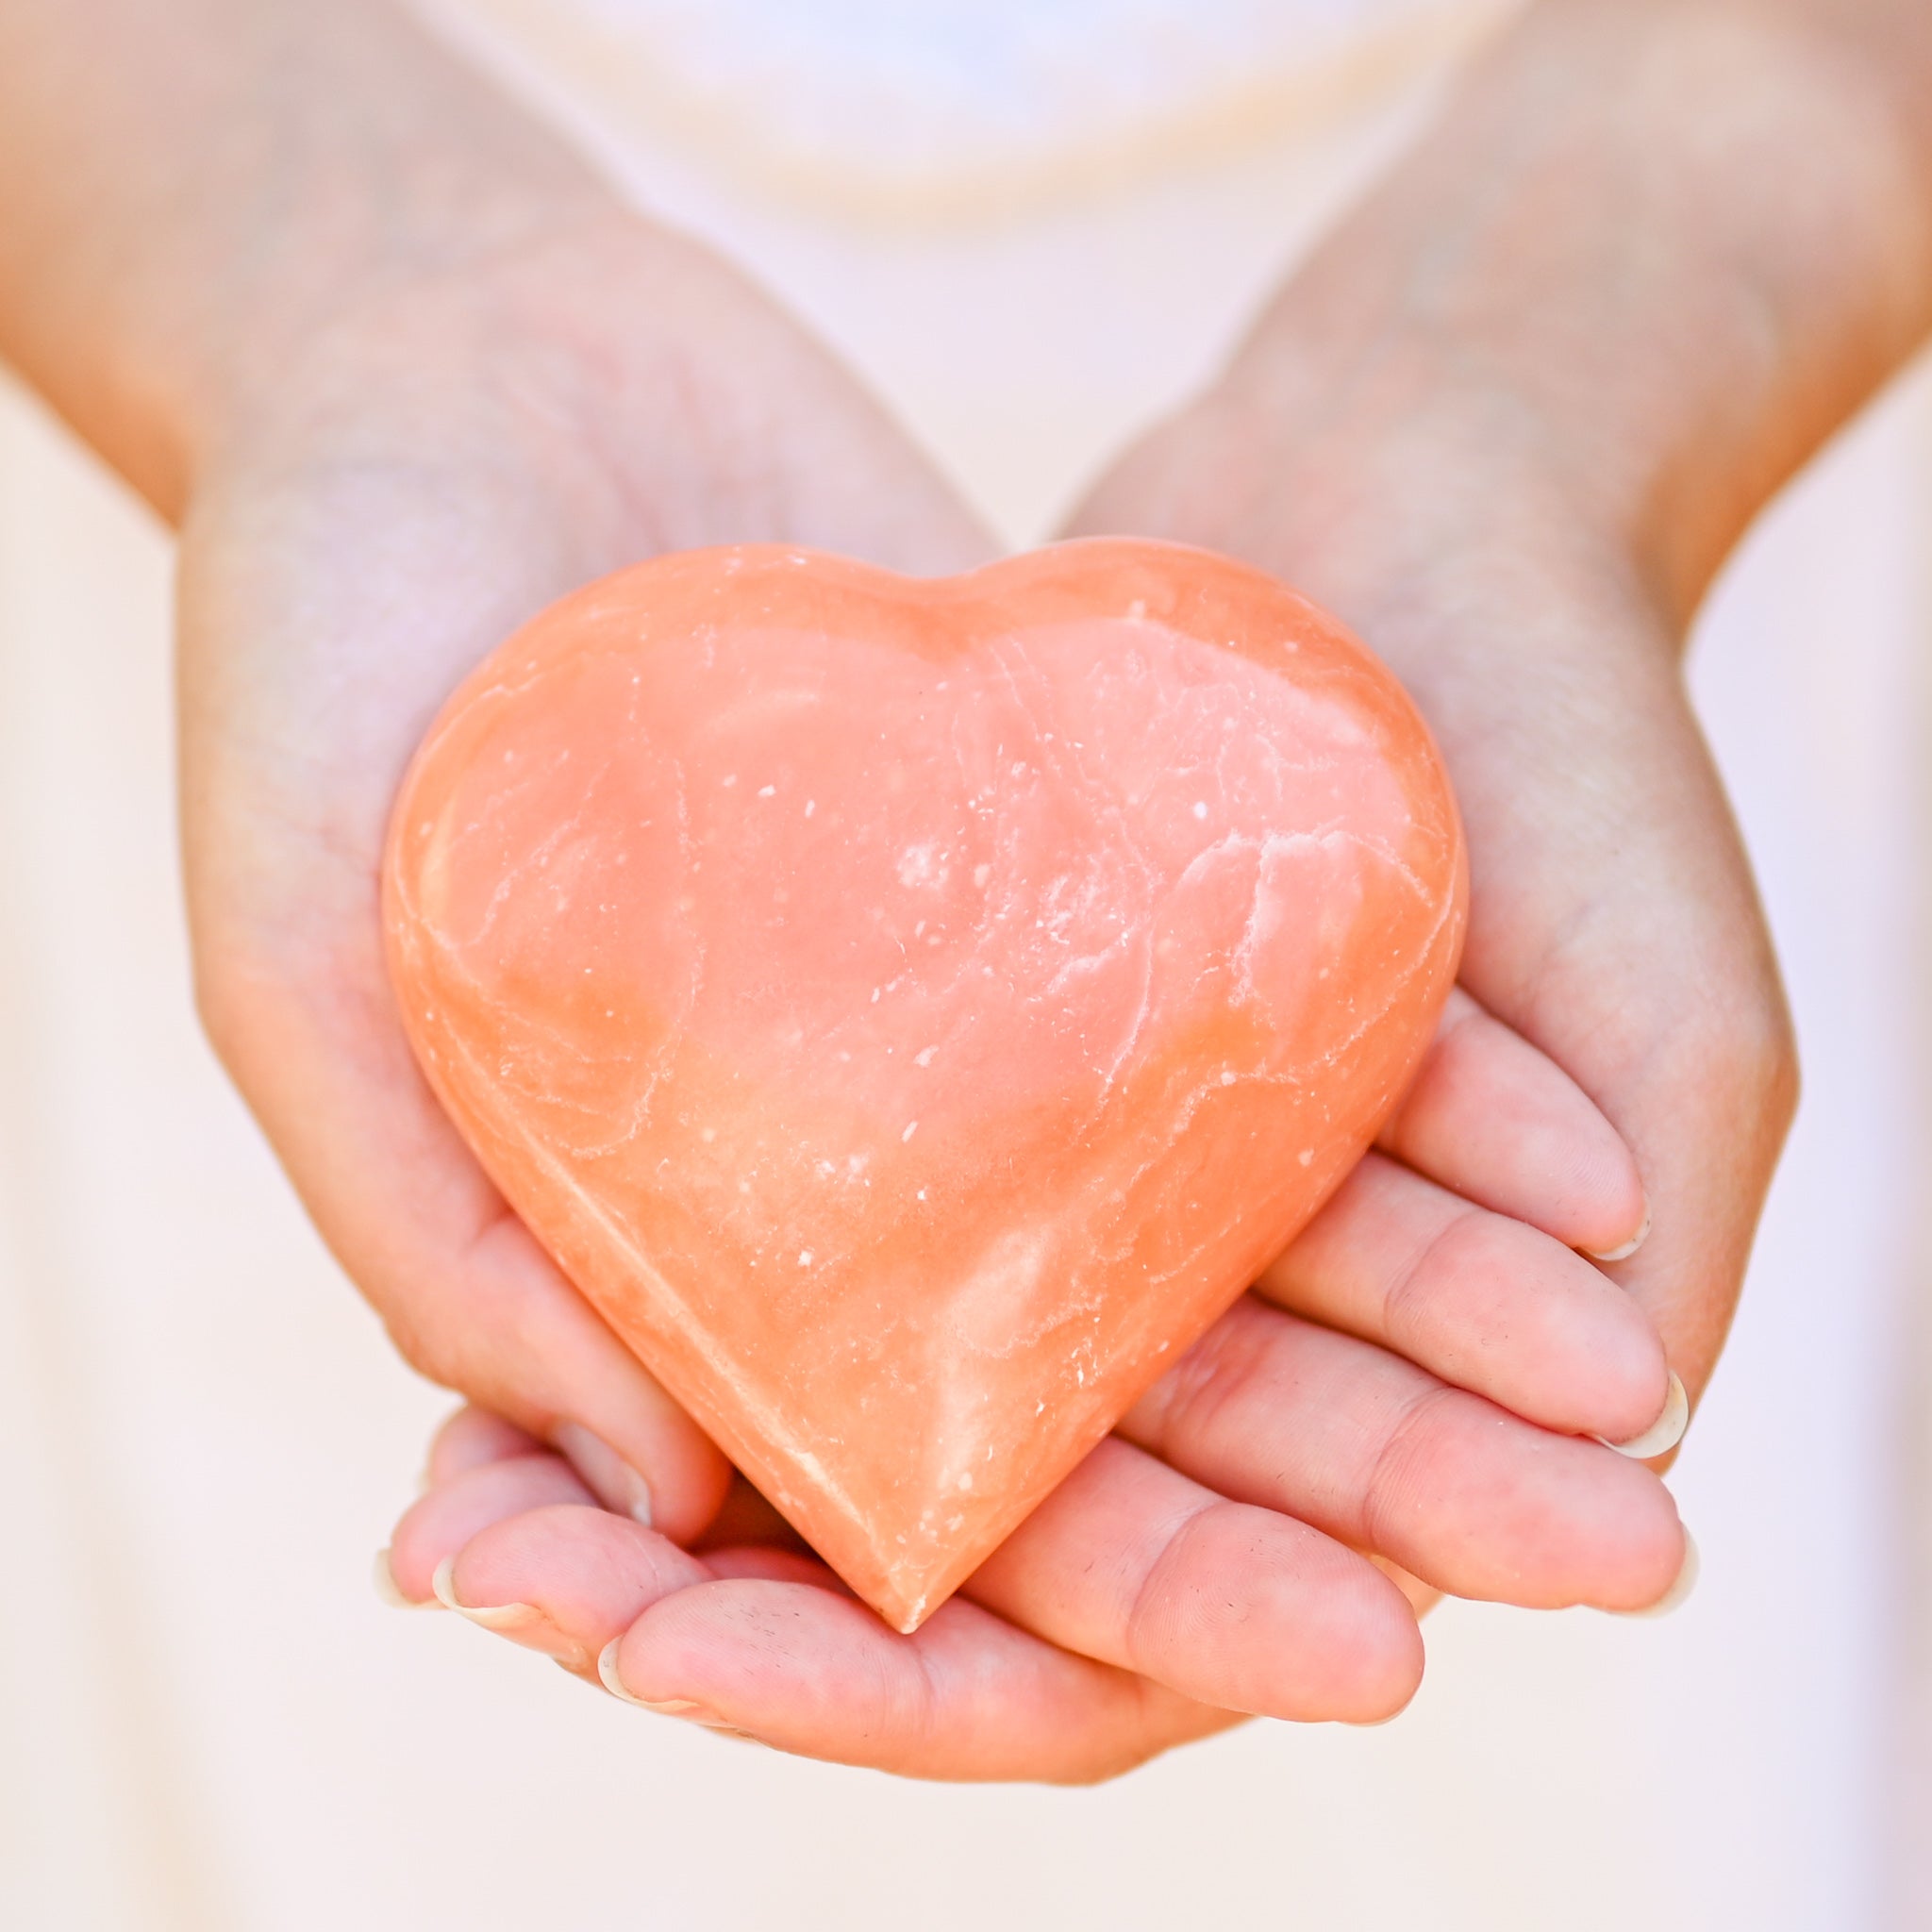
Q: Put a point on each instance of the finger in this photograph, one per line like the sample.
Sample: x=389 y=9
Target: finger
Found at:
x=766 y=1643
x=967 y=1697
x=437 y=1526
x=1495 y=1120
x=1478 y=1299
x=564 y=1580
x=568 y=1579
x=471 y=1439
x=1133 y=1564
x=1274 y=1410
x=1614 y=923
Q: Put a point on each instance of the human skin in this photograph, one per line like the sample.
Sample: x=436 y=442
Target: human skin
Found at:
x=405 y=371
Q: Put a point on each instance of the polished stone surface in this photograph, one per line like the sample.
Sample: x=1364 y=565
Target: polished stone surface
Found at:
x=911 y=1011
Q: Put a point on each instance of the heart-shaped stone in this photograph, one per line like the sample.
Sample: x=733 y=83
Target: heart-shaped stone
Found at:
x=912 y=1011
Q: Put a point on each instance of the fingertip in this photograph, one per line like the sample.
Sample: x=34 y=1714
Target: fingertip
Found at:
x=1627 y=1386
x=589 y=1572
x=1664 y=1432
x=1390 y=1672
x=1496 y=1120
x=389 y=1592
x=470 y=1439
x=1640 y=1545
x=440 y=1523
x=1690 y=1567
x=1260 y=1613
x=1622 y=1250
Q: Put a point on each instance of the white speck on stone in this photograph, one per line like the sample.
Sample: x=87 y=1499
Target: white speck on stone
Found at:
x=1200 y=808
x=919 y=930
x=875 y=995
x=911 y=1128
x=729 y=780
x=923 y=1057
x=768 y=791
x=1306 y=1156
x=805 y=1258
x=922 y=1193
x=811 y=805
x=922 y=865
x=1227 y=1076
x=708 y=1135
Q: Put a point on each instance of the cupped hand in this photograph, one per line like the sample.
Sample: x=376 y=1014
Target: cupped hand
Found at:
x=1614 y=924
x=427 y=473
x=1212 y=1559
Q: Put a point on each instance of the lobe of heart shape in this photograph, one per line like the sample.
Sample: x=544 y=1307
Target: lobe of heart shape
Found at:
x=911 y=1011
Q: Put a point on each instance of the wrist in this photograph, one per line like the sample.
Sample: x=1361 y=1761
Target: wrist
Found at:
x=430 y=285
x=1653 y=256
x=190 y=194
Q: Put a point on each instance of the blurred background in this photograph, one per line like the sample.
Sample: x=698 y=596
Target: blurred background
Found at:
x=1034 y=230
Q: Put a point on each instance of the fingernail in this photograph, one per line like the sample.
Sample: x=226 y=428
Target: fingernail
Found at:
x=492 y=1617
x=1686 y=1582
x=617 y=1483
x=1665 y=1433
x=384 y=1577
x=607 y=1671
x=1629 y=1248
x=666 y=1707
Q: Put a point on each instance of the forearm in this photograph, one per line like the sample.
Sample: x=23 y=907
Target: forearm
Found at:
x=1654 y=254
x=189 y=186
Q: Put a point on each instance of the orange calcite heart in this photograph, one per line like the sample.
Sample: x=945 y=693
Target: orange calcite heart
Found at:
x=912 y=1011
